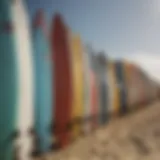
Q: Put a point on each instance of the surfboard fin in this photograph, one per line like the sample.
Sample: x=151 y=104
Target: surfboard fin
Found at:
x=36 y=152
x=69 y=126
x=52 y=127
x=78 y=120
x=55 y=147
x=32 y=131
x=16 y=153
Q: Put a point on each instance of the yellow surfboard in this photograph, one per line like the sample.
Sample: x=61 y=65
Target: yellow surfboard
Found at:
x=113 y=90
x=77 y=81
x=127 y=74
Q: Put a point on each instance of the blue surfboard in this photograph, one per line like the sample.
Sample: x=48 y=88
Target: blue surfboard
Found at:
x=8 y=82
x=101 y=68
x=119 y=69
x=43 y=84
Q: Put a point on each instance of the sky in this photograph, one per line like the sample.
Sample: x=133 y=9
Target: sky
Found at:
x=127 y=29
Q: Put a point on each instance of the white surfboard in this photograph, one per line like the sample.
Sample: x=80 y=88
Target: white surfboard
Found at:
x=25 y=78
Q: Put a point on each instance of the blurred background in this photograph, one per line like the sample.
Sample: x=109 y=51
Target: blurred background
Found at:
x=123 y=29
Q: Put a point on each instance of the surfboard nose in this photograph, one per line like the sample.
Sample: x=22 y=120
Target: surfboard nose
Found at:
x=39 y=18
x=58 y=22
x=58 y=18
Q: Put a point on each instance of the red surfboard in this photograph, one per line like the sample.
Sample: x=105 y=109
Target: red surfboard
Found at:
x=94 y=104
x=62 y=85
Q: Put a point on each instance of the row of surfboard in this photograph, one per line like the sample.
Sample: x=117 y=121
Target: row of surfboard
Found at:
x=53 y=88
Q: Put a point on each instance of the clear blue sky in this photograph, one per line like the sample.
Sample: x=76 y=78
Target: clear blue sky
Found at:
x=120 y=27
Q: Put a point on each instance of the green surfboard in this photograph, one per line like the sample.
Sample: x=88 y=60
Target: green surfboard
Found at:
x=8 y=82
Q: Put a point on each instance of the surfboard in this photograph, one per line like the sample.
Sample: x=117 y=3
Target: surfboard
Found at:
x=44 y=107
x=97 y=90
x=86 y=93
x=8 y=82
x=155 y=92
x=139 y=85
x=115 y=104
x=63 y=80
x=145 y=87
x=134 y=84
x=127 y=74
x=110 y=88
x=77 y=109
x=149 y=89
x=152 y=96
x=25 y=77
x=121 y=86
x=102 y=85
x=94 y=92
